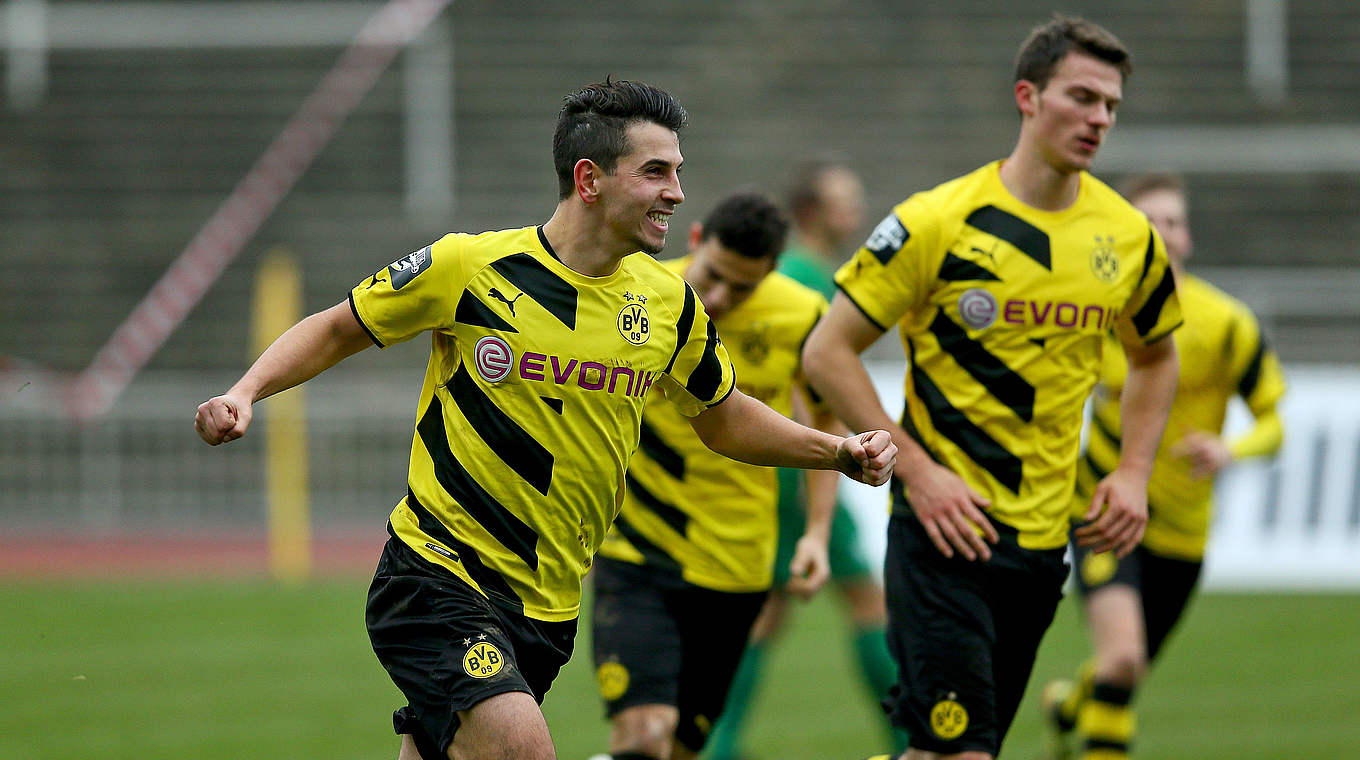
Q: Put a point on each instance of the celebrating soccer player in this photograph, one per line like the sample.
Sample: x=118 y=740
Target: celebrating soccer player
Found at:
x=1003 y=283
x=545 y=343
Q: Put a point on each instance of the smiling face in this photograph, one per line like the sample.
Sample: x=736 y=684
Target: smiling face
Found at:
x=638 y=198
x=1067 y=120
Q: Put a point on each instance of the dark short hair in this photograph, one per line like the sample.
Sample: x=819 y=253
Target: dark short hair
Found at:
x=804 y=192
x=1135 y=187
x=594 y=121
x=748 y=223
x=1049 y=42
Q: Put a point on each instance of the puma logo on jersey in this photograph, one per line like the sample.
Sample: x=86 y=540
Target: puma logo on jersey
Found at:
x=374 y=281
x=496 y=294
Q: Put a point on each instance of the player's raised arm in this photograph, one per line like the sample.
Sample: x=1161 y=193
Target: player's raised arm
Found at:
x=744 y=429
x=305 y=350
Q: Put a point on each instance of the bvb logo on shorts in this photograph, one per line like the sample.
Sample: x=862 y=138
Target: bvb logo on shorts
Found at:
x=1104 y=261
x=483 y=660
x=1098 y=568
x=613 y=680
x=948 y=719
x=633 y=324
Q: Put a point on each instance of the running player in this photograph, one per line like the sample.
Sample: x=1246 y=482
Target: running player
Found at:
x=529 y=413
x=1132 y=604
x=688 y=563
x=1003 y=283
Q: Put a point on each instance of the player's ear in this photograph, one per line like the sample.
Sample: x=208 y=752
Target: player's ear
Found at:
x=587 y=175
x=1026 y=97
x=696 y=235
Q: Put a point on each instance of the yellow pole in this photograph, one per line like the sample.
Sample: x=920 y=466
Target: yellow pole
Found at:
x=278 y=306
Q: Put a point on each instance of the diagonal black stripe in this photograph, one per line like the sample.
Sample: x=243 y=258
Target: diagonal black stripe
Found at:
x=1001 y=381
x=491 y=581
x=554 y=404
x=508 y=440
x=707 y=376
x=1147 y=317
x=1028 y=239
x=1147 y=260
x=509 y=530
x=662 y=453
x=539 y=283
x=669 y=513
x=1247 y=385
x=971 y=439
x=683 y=326
x=956 y=269
x=652 y=554
x=1100 y=425
x=1096 y=469
x=471 y=311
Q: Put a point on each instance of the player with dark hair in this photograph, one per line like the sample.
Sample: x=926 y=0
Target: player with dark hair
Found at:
x=688 y=563
x=1132 y=604
x=1003 y=284
x=825 y=200
x=527 y=419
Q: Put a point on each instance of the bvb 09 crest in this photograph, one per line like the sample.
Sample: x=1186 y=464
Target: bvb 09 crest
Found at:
x=1104 y=261
x=634 y=325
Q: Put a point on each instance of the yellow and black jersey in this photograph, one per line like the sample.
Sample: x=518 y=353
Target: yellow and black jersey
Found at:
x=698 y=515
x=532 y=402
x=1002 y=309
x=1222 y=354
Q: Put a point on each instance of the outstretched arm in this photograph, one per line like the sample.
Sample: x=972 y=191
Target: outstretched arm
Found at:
x=303 y=352
x=949 y=510
x=1119 y=504
x=746 y=430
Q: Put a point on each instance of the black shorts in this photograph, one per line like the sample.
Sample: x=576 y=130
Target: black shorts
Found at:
x=447 y=647
x=661 y=641
x=964 y=635
x=1164 y=584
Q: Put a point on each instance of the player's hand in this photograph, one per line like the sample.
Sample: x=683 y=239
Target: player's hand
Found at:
x=810 y=567
x=867 y=457
x=1117 y=516
x=1207 y=453
x=950 y=511
x=221 y=419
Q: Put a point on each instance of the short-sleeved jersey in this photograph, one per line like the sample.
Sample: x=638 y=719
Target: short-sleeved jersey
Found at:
x=1002 y=309
x=532 y=402
x=695 y=514
x=1222 y=354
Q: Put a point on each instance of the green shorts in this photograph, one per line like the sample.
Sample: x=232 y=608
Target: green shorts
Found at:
x=847 y=555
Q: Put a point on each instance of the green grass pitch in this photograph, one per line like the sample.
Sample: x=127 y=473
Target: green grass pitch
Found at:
x=242 y=669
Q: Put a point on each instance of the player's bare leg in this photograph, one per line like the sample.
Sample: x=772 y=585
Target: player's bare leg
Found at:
x=1115 y=615
x=1105 y=720
x=504 y=727
x=645 y=729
